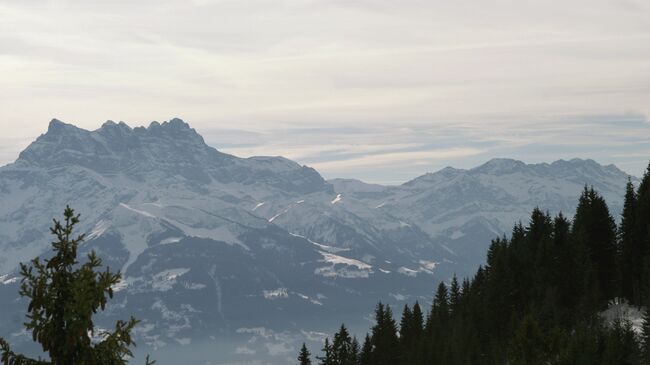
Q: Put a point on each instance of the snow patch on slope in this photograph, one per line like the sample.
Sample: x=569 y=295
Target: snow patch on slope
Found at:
x=343 y=267
x=141 y=212
x=620 y=310
x=276 y=293
x=169 y=240
x=6 y=280
x=323 y=247
x=408 y=272
x=165 y=280
x=99 y=229
x=335 y=259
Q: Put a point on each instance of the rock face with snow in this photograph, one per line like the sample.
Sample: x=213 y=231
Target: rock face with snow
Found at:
x=251 y=254
x=461 y=208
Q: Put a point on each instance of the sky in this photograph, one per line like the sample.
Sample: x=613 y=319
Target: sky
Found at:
x=378 y=90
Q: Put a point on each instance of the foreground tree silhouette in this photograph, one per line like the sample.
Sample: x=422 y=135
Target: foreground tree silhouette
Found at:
x=303 y=357
x=64 y=295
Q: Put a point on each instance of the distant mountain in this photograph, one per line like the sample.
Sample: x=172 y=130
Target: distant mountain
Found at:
x=245 y=253
x=461 y=209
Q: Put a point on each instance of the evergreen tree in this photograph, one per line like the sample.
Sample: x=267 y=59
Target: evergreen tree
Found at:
x=620 y=345
x=437 y=326
x=440 y=308
x=528 y=344
x=328 y=356
x=454 y=294
x=642 y=223
x=365 y=356
x=631 y=248
x=342 y=353
x=407 y=335
x=417 y=323
x=564 y=278
x=385 y=343
x=304 y=356
x=582 y=347
x=595 y=228
x=538 y=300
x=356 y=351
x=643 y=204
x=63 y=296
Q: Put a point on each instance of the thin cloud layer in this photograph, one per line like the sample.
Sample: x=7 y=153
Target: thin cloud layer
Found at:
x=379 y=90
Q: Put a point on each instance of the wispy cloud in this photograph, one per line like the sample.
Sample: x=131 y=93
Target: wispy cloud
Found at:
x=394 y=159
x=338 y=84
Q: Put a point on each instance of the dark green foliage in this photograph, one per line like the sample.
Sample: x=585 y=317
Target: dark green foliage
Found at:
x=528 y=344
x=63 y=296
x=454 y=294
x=328 y=355
x=304 y=356
x=539 y=298
x=355 y=351
x=594 y=228
x=385 y=344
x=621 y=346
x=631 y=255
x=365 y=356
x=643 y=210
x=342 y=350
x=410 y=333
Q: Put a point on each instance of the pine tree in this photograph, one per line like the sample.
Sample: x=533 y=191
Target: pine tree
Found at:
x=407 y=335
x=537 y=301
x=631 y=249
x=440 y=308
x=620 y=345
x=328 y=356
x=304 y=356
x=417 y=323
x=454 y=294
x=385 y=343
x=563 y=280
x=528 y=344
x=437 y=326
x=642 y=223
x=365 y=356
x=63 y=296
x=595 y=227
x=356 y=351
x=342 y=353
x=405 y=327
x=643 y=204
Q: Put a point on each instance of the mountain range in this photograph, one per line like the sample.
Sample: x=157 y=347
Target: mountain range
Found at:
x=246 y=257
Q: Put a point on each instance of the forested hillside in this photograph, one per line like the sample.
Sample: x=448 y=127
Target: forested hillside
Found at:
x=539 y=299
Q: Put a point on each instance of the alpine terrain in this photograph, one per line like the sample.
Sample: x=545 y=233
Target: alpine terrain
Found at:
x=243 y=257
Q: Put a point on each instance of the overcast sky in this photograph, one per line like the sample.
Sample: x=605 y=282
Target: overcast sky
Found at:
x=381 y=90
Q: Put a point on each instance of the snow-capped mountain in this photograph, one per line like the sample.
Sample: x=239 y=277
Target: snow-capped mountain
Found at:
x=256 y=252
x=460 y=208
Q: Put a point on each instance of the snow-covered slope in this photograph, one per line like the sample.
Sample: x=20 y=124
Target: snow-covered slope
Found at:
x=460 y=208
x=259 y=249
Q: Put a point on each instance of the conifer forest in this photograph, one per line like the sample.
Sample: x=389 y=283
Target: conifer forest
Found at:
x=542 y=297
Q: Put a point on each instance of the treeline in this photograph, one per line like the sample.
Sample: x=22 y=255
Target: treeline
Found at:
x=538 y=300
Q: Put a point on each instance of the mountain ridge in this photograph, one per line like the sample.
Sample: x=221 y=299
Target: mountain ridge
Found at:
x=194 y=229
x=178 y=128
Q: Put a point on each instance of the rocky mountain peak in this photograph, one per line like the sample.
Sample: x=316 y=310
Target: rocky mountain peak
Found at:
x=114 y=144
x=500 y=166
